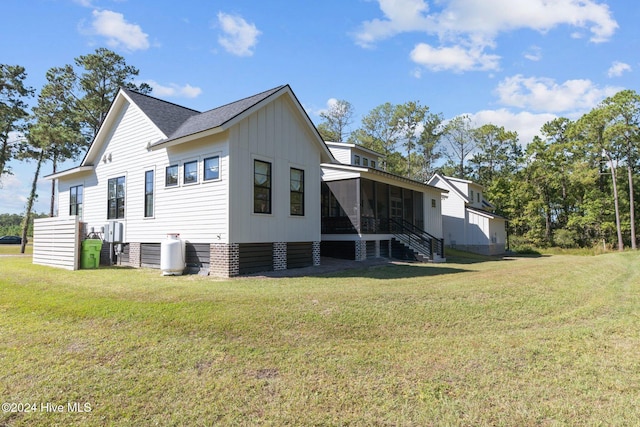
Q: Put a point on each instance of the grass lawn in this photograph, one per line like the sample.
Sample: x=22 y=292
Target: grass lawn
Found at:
x=544 y=341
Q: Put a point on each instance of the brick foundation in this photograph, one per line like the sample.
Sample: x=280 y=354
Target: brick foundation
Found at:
x=224 y=259
x=279 y=256
x=135 y=254
x=316 y=254
x=361 y=250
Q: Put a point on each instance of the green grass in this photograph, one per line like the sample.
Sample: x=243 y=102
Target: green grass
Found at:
x=544 y=341
x=15 y=249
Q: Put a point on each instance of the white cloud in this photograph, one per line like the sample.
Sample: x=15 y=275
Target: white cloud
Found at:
x=525 y=123
x=455 y=58
x=174 y=90
x=533 y=54
x=472 y=26
x=486 y=17
x=240 y=37
x=544 y=94
x=618 y=68
x=118 y=31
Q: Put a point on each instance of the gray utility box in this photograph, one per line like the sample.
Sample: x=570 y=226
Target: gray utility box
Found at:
x=114 y=232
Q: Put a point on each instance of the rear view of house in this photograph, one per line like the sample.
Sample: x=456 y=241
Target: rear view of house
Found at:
x=240 y=184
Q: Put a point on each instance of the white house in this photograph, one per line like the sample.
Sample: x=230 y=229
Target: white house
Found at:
x=367 y=212
x=242 y=185
x=467 y=219
x=239 y=183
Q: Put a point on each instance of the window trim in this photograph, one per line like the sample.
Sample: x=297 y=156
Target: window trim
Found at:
x=292 y=192
x=269 y=207
x=166 y=176
x=153 y=193
x=78 y=205
x=124 y=198
x=204 y=168
x=184 y=172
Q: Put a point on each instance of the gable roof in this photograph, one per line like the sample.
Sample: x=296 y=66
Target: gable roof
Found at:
x=218 y=116
x=452 y=188
x=180 y=124
x=168 y=117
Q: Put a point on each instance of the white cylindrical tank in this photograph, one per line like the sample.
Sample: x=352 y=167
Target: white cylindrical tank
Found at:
x=172 y=255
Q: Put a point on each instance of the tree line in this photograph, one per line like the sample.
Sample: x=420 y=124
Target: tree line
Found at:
x=572 y=186
x=66 y=117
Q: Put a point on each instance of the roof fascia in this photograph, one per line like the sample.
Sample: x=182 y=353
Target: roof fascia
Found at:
x=116 y=105
x=69 y=172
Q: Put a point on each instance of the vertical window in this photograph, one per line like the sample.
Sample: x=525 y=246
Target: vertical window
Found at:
x=75 y=200
x=171 y=176
x=211 y=168
x=261 y=187
x=478 y=197
x=373 y=164
x=148 y=194
x=365 y=162
x=356 y=160
x=471 y=193
x=433 y=203
x=297 y=192
x=115 y=202
x=190 y=173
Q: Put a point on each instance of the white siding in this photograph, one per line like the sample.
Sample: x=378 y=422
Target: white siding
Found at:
x=197 y=211
x=55 y=242
x=277 y=135
x=341 y=154
x=433 y=216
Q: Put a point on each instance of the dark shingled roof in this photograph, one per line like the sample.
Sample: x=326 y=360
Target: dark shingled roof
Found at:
x=219 y=116
x=166 y=115
x=176 y=121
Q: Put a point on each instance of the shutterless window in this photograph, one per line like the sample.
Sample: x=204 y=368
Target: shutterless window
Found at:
x=433 y=203
x=365 y=161
x=171 y=176
x=190 y=173
x=356 y=160
x=75 y=200
x=115 y=202
x=261 y=187
x=148 y=194
x=211 y=168
x=297 y=192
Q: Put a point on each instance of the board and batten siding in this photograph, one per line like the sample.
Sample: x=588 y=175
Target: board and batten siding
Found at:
x=56 y=242
x=275 y=134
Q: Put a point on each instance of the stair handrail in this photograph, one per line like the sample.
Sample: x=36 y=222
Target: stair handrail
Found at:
x=433 y=244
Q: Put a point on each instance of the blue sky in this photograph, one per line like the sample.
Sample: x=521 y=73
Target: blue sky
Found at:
x=514 y=63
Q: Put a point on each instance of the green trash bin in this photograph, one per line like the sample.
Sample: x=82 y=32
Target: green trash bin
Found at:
x=90 y=255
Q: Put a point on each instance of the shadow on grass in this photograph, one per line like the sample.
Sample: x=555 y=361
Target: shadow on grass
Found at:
x=396 y=271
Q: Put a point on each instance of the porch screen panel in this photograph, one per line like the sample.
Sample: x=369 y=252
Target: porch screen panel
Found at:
x=418 y=209
x=407 y=205
x=382 y=206
x=345 y=194
x=367 y=206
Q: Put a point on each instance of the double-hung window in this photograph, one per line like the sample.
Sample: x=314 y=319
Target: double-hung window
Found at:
x=296 y=192
x=75 y=200
x=115 y=198
x=148 y=193
x=261 y=187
